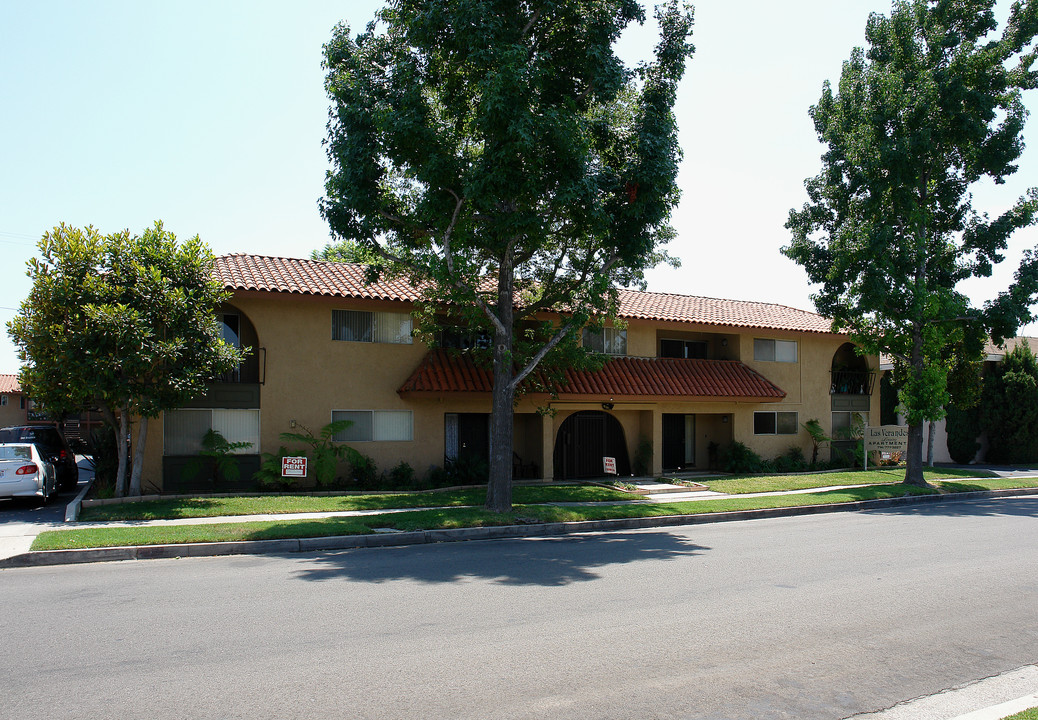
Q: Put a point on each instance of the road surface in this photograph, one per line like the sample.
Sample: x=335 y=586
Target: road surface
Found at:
x=822 y=616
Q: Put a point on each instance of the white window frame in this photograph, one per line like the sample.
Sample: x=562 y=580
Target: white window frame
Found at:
x=390 y=320
x=776 y=413
x=760 y=354
x=376 y=431
x=608 y=338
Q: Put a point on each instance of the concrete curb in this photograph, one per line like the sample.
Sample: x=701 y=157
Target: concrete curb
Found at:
x=73 y=509
x=421 y=537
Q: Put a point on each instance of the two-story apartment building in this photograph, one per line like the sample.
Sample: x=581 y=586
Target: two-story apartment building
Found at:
x=685 y=376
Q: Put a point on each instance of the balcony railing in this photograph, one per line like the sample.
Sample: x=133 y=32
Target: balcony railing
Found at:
x=852 y=382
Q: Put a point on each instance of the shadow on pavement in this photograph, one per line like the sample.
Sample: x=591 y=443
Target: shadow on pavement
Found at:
x=1010 y=506
x=548 y=562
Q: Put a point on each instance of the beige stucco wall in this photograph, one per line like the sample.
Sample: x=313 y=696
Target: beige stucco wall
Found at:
x=308 y=375
x=12 y=413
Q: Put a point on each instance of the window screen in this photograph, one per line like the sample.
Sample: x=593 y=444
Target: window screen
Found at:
x=377 y=425
x=611 y=341
x=775 y=423
x=182 y=430
x=774 y=350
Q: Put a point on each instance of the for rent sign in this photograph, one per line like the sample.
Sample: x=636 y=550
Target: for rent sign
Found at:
x=886 y=438
x=293 y=467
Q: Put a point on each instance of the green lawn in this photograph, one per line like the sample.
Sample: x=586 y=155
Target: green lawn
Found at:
x=456 y=517
x=276 y=504
x=738 y=484
x=1031 y=714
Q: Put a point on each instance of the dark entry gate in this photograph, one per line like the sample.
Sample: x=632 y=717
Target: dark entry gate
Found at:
x=584 y=439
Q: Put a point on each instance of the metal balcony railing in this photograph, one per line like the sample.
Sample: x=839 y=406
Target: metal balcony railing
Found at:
x=851 y=382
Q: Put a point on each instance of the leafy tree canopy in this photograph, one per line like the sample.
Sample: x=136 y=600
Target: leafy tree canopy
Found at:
x=930 y=109
x=502 y=156
x=123 y=323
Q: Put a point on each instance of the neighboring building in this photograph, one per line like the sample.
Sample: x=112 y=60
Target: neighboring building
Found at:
x=687 y=376
x=13 y=403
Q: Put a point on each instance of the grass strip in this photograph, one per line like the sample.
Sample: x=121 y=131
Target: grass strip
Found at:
x=477 y=517
x=1031 y=714
x=169 y=509
x=738 y=484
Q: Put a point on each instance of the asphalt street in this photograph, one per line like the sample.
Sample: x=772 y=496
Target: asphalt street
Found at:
x=822 y=616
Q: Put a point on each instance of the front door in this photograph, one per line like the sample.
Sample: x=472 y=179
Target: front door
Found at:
x=679 y=435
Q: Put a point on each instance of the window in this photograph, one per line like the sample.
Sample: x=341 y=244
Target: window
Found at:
x=182 y=430
x=375 y=425
x=847 y=425
x=3 y=400
x=229 y=328
x=379 y=327
x=610 y=341
x=683 y=349
x=457 y=338
x=775 y=423
x=775 y=350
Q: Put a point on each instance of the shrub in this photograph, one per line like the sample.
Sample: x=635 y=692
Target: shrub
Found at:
x=963 y=428
x=363 y=472
x=269 y=474
x=738 y=458
x=400 y=477
x=105 y=458
x=792 y=461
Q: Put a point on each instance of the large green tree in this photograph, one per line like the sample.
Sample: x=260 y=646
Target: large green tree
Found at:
x=931 y=109
x=121 y=323
x=1010 y=408
x=502 y=156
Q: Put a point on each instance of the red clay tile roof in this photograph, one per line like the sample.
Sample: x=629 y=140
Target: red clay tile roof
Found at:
x=711 y=311
x=443 y=371
x=306 y=277
x=9 y=384
x=318 y=277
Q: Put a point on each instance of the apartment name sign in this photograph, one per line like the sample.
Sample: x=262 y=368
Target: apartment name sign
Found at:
x=886 y=438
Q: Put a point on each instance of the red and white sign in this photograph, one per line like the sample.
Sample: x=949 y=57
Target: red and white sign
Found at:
x=293 y=467
x=609 y=465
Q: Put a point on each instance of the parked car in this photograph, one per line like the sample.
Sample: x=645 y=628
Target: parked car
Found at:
x=52 y=447
x=25 y=473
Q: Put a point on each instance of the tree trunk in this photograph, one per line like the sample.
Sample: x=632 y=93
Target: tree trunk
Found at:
x=499 y=484
x=914 y=459
x=121 y=450
x=929 y=443
x=138 y=457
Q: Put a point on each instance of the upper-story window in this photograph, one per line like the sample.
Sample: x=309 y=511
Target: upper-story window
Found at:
x=689 y=349
x=610 y=341
x=775 y=350
x=457 y=338
x=378 y=327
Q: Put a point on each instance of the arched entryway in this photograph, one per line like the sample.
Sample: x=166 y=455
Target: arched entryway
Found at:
x=585 y=438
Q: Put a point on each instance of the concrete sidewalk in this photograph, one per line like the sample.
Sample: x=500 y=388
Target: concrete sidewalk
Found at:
x=17 y=538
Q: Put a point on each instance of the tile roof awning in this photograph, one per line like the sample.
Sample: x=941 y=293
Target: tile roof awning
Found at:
x=645 y=379
x=9 y=384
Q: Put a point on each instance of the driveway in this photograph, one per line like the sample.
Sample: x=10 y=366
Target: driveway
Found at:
x=22 y=520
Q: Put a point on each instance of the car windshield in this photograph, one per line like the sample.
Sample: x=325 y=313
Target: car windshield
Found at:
x=15 y=452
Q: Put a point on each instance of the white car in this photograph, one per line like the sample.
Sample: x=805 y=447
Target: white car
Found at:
x=24 y=472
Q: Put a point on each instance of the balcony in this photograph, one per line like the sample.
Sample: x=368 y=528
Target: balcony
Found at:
x=851 y=382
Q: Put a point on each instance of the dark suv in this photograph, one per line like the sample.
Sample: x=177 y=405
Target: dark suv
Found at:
x=52 y=447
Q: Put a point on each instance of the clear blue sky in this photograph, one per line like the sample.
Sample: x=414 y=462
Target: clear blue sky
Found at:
x=210 y=116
